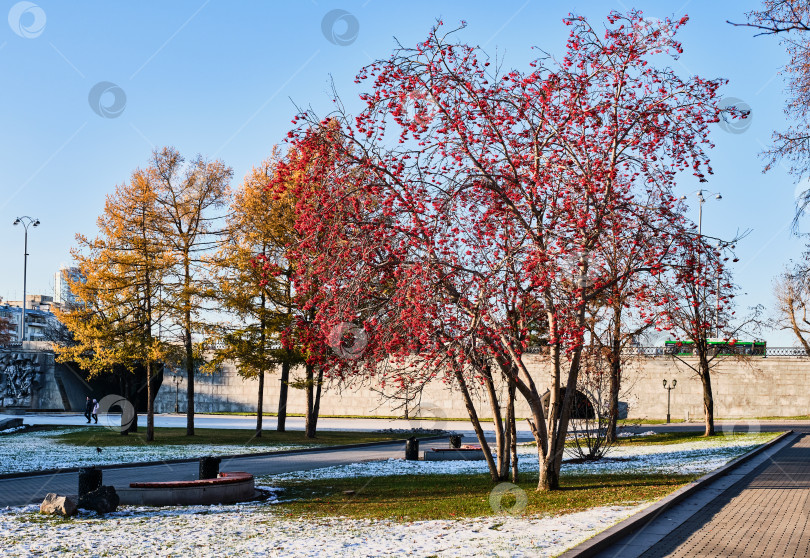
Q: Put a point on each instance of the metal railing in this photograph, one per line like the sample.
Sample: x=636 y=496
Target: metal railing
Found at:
x=686 y=351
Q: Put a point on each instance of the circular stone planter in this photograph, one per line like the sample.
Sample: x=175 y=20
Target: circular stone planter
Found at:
x=228 y=488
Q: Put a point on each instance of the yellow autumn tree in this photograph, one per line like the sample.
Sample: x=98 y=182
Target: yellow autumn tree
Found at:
x=118 y=308
x=254 y=284
x=190 y=199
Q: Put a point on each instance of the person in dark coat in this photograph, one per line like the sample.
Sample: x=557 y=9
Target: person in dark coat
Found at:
x=88 y=409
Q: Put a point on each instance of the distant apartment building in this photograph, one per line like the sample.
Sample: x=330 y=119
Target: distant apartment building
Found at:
x=62 y=295
x=38 y=317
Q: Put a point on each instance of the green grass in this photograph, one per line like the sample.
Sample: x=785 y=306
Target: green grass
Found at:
x=103 y=437
x=795 y=417
x=420 y=497
x=370 y=417
x=664 y=438
x=698 y=420
x=683 y=437
x=641 y=422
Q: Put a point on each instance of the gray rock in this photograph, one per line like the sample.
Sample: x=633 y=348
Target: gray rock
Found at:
x=101 y=500
x=58 y=505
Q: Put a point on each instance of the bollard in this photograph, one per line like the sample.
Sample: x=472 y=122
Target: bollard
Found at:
x=455 y=441
x=89 y=480
x=209 y=467
x=412 y=449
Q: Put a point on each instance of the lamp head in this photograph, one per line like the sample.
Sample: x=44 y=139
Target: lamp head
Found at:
x=665 y=383
x=17 y=221
x=674 y=383
x=36 y=223
x=718 y=197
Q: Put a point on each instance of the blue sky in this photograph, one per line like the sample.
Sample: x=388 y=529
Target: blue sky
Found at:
x=222 y=79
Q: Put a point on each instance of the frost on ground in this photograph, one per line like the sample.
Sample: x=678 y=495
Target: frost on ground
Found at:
x=262 y=529
x=36 y=451
x=259 y=530
x=684 y=459
x=636 y=434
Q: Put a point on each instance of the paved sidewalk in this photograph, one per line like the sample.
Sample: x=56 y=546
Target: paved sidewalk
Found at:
x=761 y=509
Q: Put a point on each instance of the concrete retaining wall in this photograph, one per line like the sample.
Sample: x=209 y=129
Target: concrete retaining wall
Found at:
x=754 y=387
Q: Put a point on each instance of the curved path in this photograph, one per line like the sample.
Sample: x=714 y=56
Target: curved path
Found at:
x=25 y=490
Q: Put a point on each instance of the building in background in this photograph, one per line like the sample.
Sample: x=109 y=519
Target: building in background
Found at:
x=38 y=317
x=62 y=295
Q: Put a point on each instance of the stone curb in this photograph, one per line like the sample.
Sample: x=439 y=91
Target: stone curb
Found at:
x=603 y=540
x=5 y=476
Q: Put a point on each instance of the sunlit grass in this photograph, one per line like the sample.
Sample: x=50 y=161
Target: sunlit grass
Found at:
x=420 y=497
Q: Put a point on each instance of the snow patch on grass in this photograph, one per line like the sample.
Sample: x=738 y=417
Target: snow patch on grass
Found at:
x=36 y=451
x=684 y=458
x=636 y=434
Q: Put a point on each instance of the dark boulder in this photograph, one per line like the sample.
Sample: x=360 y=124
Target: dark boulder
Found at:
x=101 y=500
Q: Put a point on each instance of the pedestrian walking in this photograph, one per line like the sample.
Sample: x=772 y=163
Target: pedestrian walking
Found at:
x=95 y=411
x=88 y=409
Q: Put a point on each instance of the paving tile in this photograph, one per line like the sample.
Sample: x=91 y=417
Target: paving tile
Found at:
x=766 y=513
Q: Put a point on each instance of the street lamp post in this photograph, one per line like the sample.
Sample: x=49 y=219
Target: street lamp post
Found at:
x=701 y=201
x=25 y=220
x=669 y=392
x=176 y=392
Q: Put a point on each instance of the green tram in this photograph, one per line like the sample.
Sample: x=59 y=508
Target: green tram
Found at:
x=717 y=347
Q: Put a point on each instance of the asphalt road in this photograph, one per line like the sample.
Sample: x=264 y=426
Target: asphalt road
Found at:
x=374 y=424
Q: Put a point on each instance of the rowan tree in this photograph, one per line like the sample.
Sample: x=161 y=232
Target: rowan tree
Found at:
x=627 y=307
x=698 y=308
x=551 y=158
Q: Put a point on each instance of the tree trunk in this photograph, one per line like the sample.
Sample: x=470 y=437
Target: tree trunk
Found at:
x=150 y=405
x=189 y=347
x=190 y=374
x=476 y=423
x=316 y=410
x=309 y=386
x=549 y=474
x=281 y=425
x=259 y=405
x=313 y=400
x=615 y=375
x=282 y=396
x=613 y=406
x=502 y=440
x=708 y=401
x=510 y=419
x=263 y=342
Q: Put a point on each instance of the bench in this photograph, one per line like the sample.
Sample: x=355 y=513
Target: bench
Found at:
x=223 y=478
x=464 y=453
x=227 y=488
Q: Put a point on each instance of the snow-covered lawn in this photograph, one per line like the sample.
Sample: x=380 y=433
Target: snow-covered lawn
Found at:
x=262 y=529
x=685 y=458
x=34 y=451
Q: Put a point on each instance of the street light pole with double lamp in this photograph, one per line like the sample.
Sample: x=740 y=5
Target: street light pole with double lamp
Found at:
x=25 y=221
